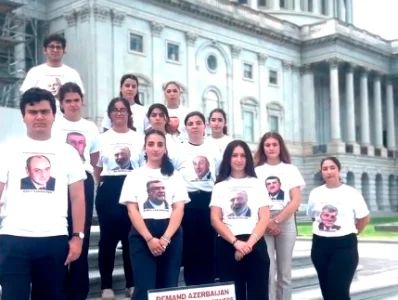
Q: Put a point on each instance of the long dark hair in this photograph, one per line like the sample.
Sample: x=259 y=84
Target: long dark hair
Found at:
x=334 y=160
x=126 y=104
x=225 y=166
x=132 y=77
x=260 y=158
x=224 y=115
x=166 y=167
x=164 y=110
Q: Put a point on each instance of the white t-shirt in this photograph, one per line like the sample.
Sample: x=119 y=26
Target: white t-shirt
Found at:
x=220 y=143
x=335 y=210
x=83 y=131
x=35 y=199
x=155 y=193
x=201 y=166
x=119 y=152
x=140 y=121
x=240 y=199
x=50 y=78
x=279 y=180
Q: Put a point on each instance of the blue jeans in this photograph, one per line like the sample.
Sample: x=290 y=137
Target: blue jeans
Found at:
x=36 y=261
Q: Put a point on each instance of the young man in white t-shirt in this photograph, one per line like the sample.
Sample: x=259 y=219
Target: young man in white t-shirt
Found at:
x=53 y=73
x=34 y=244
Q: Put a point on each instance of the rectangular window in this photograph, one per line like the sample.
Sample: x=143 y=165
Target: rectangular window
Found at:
x=262 y=3
x=247 y=71
x=282 y=4
x=324 y=7
x=248 y=125
x=136 y=42
x=242 y=1
x=173 y=52
x=273 y=77
x=274 y=123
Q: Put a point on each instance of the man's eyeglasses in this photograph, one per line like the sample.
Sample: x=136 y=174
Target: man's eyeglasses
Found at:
x=55 y=47
x=122 y=111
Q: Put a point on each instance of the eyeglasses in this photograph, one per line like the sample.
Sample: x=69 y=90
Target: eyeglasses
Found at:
x=122 y=111
x=54 y=47
x=168 y=91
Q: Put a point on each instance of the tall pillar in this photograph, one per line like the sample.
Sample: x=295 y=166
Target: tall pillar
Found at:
x=341 y=11
x=297 y=5
x=262 y=77
x=378 y=122
x=331 y=8
x=288 y=98
x=157 y=56
x=349 y=79
x=390 y=116
x=191 y=70
x=236 y=106
x=349 y=12
x=334 y=101
x=276 y=5
x=316 y=6
x=305 y=5
x=253 y=4
x=308 y=100
x=365 y=136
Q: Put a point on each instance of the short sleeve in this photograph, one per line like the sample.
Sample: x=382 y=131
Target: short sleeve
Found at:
x=216 y=196
x=360 y=209
x=75 y=165
x=297 y=179
x=181 y=193
x=128 y=193
x=4 y=158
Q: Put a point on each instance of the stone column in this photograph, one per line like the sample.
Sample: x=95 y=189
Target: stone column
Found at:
x=390 y=116
x=308 y=100
x=253 y=4
x=236 y=94
x=305 y=5
x=350 y=117
x=331 y=8
x=378 y=122
x=191 y=70
x=316 y=6
x=262 y=78
x=287 y=99
x=341 y=11
x=334 y=100
x=365 y=136
x=297 y=5
x=348 y=11
x=276 y=5
x=157 y=61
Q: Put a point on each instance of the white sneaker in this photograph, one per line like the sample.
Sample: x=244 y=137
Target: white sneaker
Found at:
x=129 y=292
x=107 y=294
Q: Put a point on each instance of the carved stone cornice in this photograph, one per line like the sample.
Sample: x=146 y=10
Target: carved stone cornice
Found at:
x=71 y=18
x=191 y=38
x=235 y=51
x=101 y=13
x=262 y=58
x=117 y=17
x=334 y=62
x=157 y=28
x=306 y=69
x=83 y=13
x=287 y=64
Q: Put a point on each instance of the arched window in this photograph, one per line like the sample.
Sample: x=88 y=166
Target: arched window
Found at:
x=144 y=89
x=211 y=100
x=250 y=119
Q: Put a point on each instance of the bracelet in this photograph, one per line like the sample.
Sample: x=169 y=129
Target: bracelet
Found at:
x=234 y=242
x=165 y=239
x=150 y=239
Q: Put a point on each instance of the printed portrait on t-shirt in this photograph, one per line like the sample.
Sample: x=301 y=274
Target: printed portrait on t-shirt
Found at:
x=50 y=83
x=273 y=185
x=122 y=156
x=174 y=124
x=328 y=218
x=156 y=196
x=202 y=167
x=239 y=205
x=38 y=169
x=78 y=141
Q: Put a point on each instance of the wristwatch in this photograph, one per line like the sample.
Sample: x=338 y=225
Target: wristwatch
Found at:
x=80 y=235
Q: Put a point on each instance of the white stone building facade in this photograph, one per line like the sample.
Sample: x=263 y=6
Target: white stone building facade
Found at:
x=295 y=66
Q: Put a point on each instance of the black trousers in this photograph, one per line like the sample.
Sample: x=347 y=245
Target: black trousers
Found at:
x=198 y=240
x=32 y=268
x=249 y=274
x=154 y=272
x=115 y=226
x=78 y=284
x=335 y=260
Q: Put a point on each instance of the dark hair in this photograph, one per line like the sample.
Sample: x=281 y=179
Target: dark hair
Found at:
x=166 y=167
x=194 y=113
x=126 y=104
x=224 y=114
x=35 y=95
x=172 y=82
x=260 y=157
x=55 y=37
x=225 y=166
x=164 y=110
x=69 y=87
x=334 y=160
x=132 y=77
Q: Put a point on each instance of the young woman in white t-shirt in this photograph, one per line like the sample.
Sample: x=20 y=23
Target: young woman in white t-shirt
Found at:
x=218 y=125
x=240 y=214
x=283 y=182
x=339 y=213
x=129 y=90
x=120 y=148
x=155 y=195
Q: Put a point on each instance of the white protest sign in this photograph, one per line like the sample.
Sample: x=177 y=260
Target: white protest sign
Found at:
x=220 y=291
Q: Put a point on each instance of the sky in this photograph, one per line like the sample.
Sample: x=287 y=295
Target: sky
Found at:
x=377 y=16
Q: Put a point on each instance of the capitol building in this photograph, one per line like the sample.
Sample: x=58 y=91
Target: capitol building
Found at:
x=299 y=67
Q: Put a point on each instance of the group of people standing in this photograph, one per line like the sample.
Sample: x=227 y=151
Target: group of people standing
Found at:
x=170 y=194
